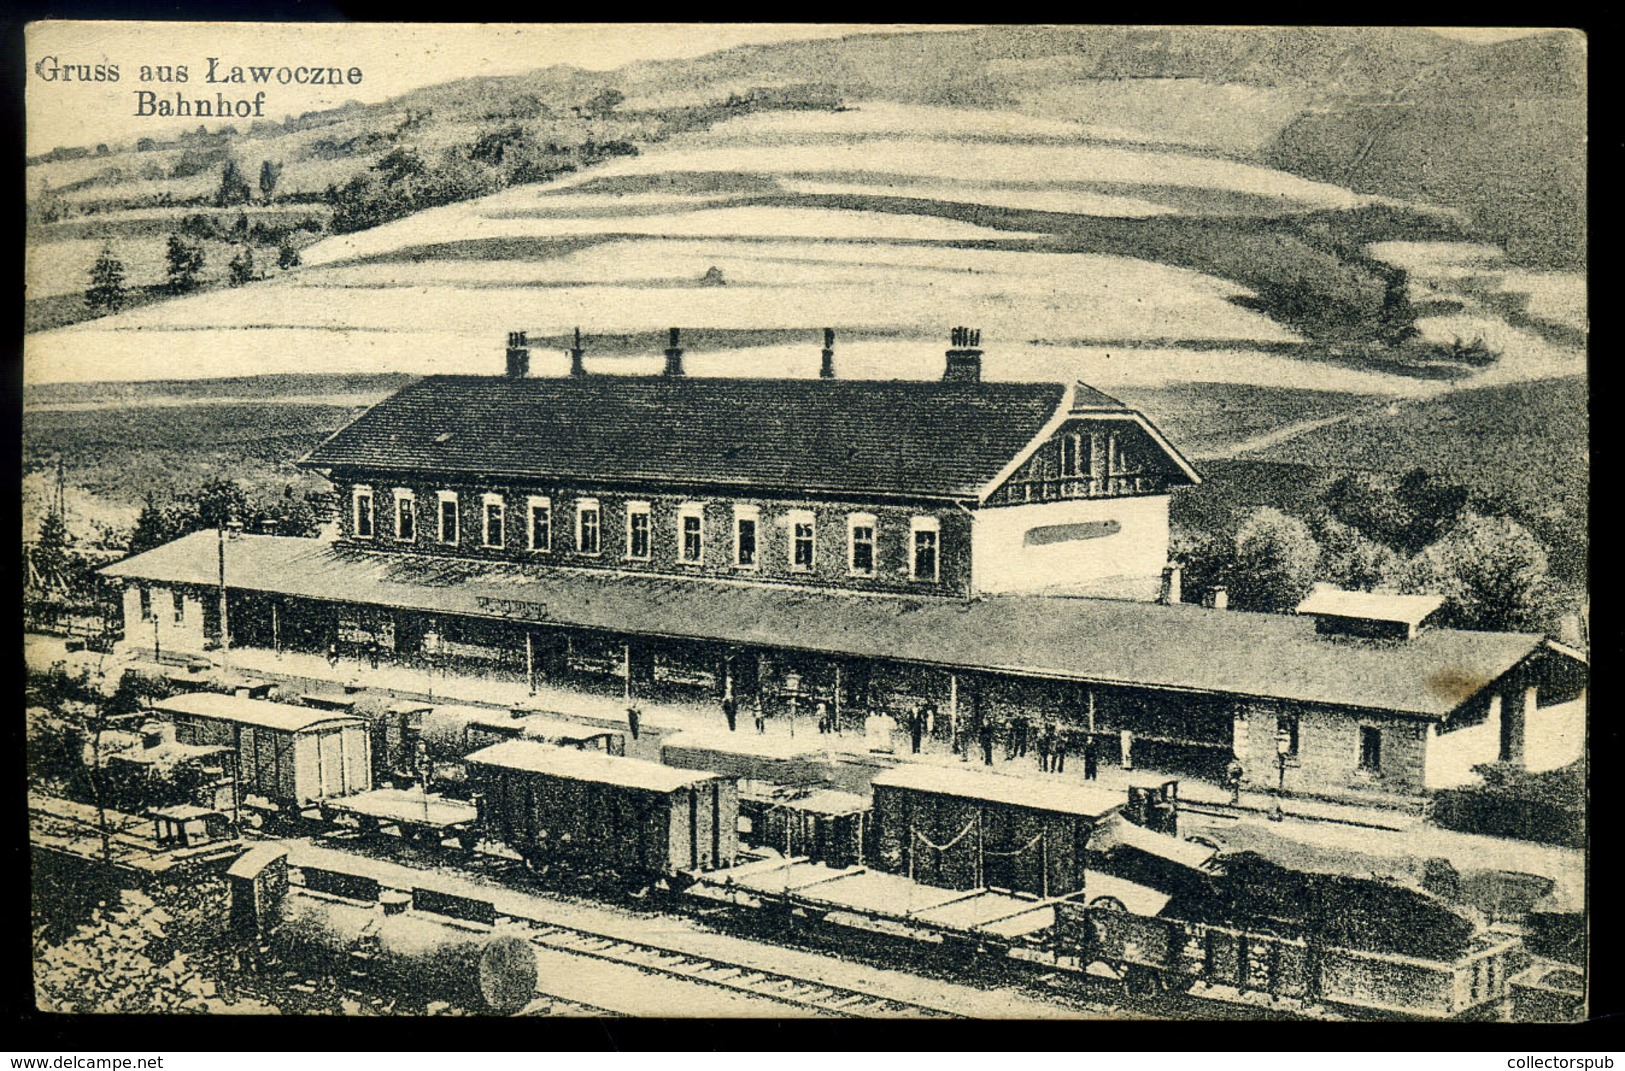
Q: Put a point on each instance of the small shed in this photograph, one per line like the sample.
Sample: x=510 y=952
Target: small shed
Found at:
x=963 y=829
x=597 y=811
x=1375 y=615
x=289 y=755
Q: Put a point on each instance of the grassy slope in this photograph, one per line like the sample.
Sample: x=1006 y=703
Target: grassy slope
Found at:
x=1252 y=88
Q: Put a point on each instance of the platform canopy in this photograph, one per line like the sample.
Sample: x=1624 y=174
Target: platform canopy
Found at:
x=1090 y=641
x=571 y=764
x=260 y=713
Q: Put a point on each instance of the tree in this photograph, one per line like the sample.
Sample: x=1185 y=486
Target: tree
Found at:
x=1366 y=502
x=1275 y=562
x=269 y=174
x=185 y=260
x=106 y=293
x=1491 y=571
x=1352 y=561
x=242 y=266
x=234 y=188
x=604 y=103
x=127 y=959
x=51 y=565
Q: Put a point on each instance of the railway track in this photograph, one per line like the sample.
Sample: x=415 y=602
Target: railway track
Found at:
x=783 y=988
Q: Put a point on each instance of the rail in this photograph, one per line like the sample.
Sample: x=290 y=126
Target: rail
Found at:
x=779 y=986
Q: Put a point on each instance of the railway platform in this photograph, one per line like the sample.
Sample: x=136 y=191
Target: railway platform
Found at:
x=1311 y=832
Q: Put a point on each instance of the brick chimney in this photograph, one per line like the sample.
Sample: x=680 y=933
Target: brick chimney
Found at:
x=965 y=359
x=674 y=356
x=826 y=370
x=518 y=355
x=576 y=353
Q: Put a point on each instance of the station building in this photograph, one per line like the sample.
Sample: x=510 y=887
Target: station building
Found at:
x=998 y=549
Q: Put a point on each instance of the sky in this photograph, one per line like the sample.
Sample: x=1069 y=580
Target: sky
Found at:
x=393 y=58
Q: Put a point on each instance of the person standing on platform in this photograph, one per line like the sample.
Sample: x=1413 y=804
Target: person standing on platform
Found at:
x=930 y=719
x=1063 y=739
x=1046 y=745
x=730 y=710
x=822 y=710
x=986 y=732
x=1021 y=727
x=1233 y=774
x=372 y=652
x=916 y=728
x=333 y=655
x=1091 y=757
x=634 y=717
x=761 y=716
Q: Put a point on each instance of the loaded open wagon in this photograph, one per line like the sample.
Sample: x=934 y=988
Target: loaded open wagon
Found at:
x=592 y=812
x=290 y=757
x=1157 y=953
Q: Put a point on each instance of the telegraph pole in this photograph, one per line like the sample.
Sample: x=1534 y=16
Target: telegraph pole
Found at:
x=225 y=631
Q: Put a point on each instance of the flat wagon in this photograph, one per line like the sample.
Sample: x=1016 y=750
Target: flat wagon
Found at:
x=592 y=812
x=287 y=755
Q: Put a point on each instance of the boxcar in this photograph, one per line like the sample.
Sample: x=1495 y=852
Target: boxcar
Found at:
x=291 y=756
x=962 y=829
x=595 y=812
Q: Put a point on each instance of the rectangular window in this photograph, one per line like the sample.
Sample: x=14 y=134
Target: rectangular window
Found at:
x=363 y=513
x=801 y=541
x=178 y=602
x=861 y=557
x=587 y=533
x=1069 y=455
x=1286 y=735
x=691 y=534
x=745 y=521
x=541 y=524
x=406 y=528
x=146 y=604
x=925 y=534
x=494 y=517
x=448 y=517
x=637 y=530
x=1370 y=748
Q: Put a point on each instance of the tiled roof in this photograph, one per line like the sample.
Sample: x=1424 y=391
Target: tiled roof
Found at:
x=1188 y=648
x=876 y=436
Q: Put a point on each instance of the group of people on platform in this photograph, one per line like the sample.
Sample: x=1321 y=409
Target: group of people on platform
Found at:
x=1052 y=741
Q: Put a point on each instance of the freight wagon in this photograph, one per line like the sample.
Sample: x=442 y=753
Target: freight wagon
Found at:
x=1160 y=954
x=962 y=829
x=595 y=813
x=288 y=756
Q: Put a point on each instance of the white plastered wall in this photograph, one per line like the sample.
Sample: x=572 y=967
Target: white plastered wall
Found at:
x=1125 y=564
